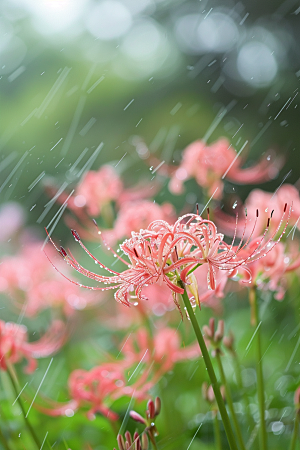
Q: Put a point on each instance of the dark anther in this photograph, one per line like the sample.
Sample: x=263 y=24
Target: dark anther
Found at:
x=285 y=206
x=136 y=253
x=272 y=213
x=268 y=223
x=62 y=252
x=257 y=213
x=95 y=223
x=208 y=213
x=197 y=206
x=75 y=235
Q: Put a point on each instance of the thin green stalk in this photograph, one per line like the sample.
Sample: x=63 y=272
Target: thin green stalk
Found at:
x=230 y=402
x=217 y=432
x=259 y=371
x=295 y=433
x=210 y=371
x=27 y=423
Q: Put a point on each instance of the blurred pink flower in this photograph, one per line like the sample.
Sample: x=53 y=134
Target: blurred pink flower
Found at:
x=268 y=272
x=14 y=345
x=136 y=215
x=93 y=389
x=97 y=189
x=12 y=218
x=267 y=203
x=29 y=279
x=210 y=164
x=163 y=350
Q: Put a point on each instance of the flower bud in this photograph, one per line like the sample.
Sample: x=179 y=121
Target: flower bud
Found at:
x=212 y=326
x=220 y=331
x=128 y=437
x=206 y=332
x=121 y=442
x=151 y=409
x=157 y=403
x=228 y=341
x=145 y=442
x=137 y=417
x=137 y=442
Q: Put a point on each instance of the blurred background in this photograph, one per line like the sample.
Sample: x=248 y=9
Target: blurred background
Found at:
x=82 y=82
x=86 y=82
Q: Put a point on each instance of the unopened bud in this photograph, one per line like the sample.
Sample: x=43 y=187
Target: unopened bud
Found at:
x=145 y=442
x=121 y=442
x=137 y=417
x=151 y=409
x=137 y=442
x=212 y=326
x=157 y=403
x=228 y=341
x=128 y=438
x=220 y=331
x=207 y=332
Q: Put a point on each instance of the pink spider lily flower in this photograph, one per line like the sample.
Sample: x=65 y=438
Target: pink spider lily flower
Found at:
x=210 y=164
x=163 y=349
x=94 y=388
x=265 y=202
x=168 y=254
x=32 y=284
x=96 y=190
x=14 y=345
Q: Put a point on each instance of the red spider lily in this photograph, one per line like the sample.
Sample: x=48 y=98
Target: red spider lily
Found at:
x=14 y=345
x=168 y=254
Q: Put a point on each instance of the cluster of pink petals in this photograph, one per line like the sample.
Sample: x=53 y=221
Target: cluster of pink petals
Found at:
x=268 y=272
x=160 y=301
x=136 y=215
x=14 y=345
x=265 y=202
x=96 y=190
x=98 y=387
x=164 y=350
x=166 y=254
x=210 y=164
x=29 y=279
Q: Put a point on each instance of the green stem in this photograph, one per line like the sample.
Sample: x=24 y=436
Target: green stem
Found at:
x=27 y=423
x=295 y=433
x=230 y=402
x=210 y=371
x=259 y=370
x=217 y=432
